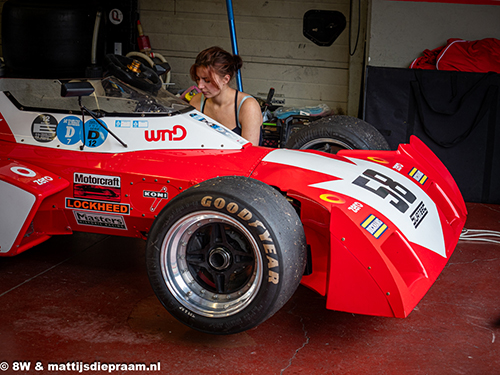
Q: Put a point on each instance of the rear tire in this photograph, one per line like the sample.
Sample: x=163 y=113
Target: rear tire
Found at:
x=226 y=254
x=334 y=133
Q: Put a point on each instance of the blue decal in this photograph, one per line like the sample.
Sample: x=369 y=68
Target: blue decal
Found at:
x=122 y=123
x=69 y=130
x=140 y=124
x=95 y=134
x=197 y=116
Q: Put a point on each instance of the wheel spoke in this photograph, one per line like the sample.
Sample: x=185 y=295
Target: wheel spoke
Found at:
x=220 y=283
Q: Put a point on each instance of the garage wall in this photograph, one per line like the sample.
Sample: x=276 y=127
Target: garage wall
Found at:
x=401 y=30
x=270 y=41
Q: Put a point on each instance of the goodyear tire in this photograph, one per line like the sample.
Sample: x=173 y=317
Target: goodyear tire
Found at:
x=226 y=254
x=334 y=133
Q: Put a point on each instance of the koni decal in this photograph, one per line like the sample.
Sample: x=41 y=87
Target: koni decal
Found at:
x=157 y=195
x=178 y=133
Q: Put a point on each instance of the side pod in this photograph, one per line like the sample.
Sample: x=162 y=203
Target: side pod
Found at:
x=23 y=188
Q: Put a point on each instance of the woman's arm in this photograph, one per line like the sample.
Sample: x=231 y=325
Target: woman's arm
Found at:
x=251 y=120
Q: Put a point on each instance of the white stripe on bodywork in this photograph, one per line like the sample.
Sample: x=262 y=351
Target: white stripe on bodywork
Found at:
x=429 y=232
x=15 y=206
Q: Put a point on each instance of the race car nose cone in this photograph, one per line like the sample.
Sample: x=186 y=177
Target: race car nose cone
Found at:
x=219 y=258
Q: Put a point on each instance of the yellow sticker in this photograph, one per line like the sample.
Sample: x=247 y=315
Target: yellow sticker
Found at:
x=332 y=198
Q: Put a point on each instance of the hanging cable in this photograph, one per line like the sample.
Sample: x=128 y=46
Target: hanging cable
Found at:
x=480 y=235
x=350 y=25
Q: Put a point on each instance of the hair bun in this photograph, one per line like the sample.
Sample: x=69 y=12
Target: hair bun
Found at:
x=238 y=62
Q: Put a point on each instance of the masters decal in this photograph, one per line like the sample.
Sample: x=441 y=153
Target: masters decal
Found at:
x=100 y=220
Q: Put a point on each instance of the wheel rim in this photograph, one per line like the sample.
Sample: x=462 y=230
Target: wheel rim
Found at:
x=329 y=145
x=211 y=264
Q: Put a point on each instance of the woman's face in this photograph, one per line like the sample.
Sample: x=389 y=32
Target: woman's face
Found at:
x=206 y=83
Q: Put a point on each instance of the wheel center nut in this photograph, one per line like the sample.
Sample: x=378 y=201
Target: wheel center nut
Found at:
x=219 y=258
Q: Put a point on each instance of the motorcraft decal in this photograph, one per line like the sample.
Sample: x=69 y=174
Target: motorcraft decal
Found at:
x=69 y=130
x=374 y=226
x=97 y=179
x=44 y=128
x=420 y=177
x=100 y=220
x=97 y=206
x=97 y=187
x=381 y=187
x=178 y=133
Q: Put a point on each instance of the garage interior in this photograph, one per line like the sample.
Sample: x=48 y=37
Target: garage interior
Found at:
x=86 y=298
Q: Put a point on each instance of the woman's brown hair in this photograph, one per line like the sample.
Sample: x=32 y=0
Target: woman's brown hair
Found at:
x=217 y=61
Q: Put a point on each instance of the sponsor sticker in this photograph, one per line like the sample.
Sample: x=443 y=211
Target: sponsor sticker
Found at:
x=178 y=133
x=374 y=226
x=157 y=195
x=100 y=220
x=355 y=207
x=123 y=123
x=140 y=124
x=418 y=214
x=96 y=179
x=95 y=134
x=44 y=128
x=69 y=130
x=100 y=187
x=418 y=176
x=97 y=206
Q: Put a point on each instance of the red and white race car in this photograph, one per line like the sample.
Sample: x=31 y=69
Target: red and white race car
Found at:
x=231 y=229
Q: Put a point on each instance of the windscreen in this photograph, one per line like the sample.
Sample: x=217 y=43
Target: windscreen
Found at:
x=111 y=96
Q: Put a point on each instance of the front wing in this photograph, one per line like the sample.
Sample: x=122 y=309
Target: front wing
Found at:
x=381 y=225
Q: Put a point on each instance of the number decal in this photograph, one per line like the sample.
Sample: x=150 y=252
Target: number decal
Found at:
x=400 y=196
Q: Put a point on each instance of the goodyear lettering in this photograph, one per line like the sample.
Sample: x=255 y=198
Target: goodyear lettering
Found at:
x=274 y=277
x=265 y=236
x=271 y=262
x=256 y=224
x=219 y=203
x=269 y=249
x=246 y=215
x=73 y=203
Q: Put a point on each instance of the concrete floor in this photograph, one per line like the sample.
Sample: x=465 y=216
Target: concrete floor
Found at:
x=86 y=299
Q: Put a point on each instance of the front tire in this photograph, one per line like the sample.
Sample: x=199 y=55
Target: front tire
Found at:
x=334 y=133
x=226 y=254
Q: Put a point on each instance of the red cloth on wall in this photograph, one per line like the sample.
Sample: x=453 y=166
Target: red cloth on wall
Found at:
x=480 y=56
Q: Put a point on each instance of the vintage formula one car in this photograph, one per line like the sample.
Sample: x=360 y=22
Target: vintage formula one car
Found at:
x=231 y=229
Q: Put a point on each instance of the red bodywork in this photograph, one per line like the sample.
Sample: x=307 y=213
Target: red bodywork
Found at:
x=359 y=267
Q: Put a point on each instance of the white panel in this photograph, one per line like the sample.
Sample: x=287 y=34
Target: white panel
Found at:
x=15 y=205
